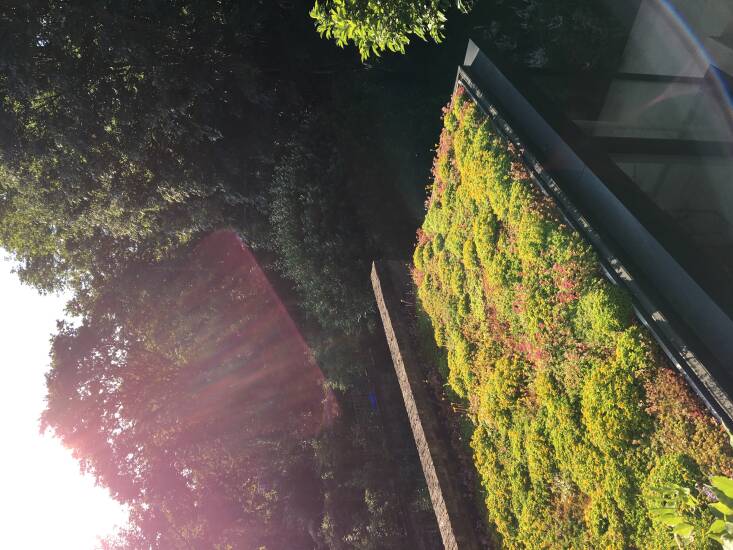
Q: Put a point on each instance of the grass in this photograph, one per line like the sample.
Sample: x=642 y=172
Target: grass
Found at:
x=574 y=411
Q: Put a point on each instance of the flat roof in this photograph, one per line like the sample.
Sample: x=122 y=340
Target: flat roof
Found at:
x=678 y=293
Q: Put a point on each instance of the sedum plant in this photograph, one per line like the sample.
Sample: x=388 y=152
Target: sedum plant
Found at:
x=574 y=411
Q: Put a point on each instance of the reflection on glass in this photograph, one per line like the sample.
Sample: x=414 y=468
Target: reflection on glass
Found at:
x=663 y=114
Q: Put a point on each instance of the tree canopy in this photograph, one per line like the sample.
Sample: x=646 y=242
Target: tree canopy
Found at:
x=128 y=129
x=129 y=133
x=374 y=26
x=191 y=395
x=133 y=137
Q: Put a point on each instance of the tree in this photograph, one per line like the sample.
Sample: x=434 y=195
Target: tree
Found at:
x=190 y=394
x=375 y=26
x=318 y=245
x=128 y=130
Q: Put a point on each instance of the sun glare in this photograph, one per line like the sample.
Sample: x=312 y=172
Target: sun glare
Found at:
x=46 y=503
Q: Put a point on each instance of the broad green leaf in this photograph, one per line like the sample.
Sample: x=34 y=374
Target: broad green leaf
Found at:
x=717 y=527
x=723 y=484
x=656 y=512
x=722 y=497
x=722 y=508
x=673 y=520
x=683 y=530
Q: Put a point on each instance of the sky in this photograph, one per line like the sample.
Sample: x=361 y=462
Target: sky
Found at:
x=45 y=502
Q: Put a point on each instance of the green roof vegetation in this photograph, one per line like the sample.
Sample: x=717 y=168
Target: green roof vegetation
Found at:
x=576 y=413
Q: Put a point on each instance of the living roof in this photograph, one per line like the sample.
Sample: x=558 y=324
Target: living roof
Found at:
x=575 y=411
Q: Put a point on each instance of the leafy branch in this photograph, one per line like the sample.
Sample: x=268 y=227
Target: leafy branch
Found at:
x=375 y=26
x=677 y=508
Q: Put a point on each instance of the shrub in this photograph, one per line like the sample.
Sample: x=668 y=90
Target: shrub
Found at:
x=602 y=311
x=612 y=402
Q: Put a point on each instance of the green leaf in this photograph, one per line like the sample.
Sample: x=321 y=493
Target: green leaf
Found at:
x=723 y=484
x=717 y=527
x=722 y=508
x=657 y=512
x=673 y=520
x=683 y=530
x=722 y=497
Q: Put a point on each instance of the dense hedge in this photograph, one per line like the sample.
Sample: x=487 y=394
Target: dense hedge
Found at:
x=575 y=411
x=316 y=241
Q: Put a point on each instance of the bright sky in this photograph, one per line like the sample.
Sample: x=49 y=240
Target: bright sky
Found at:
x=45 y=503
